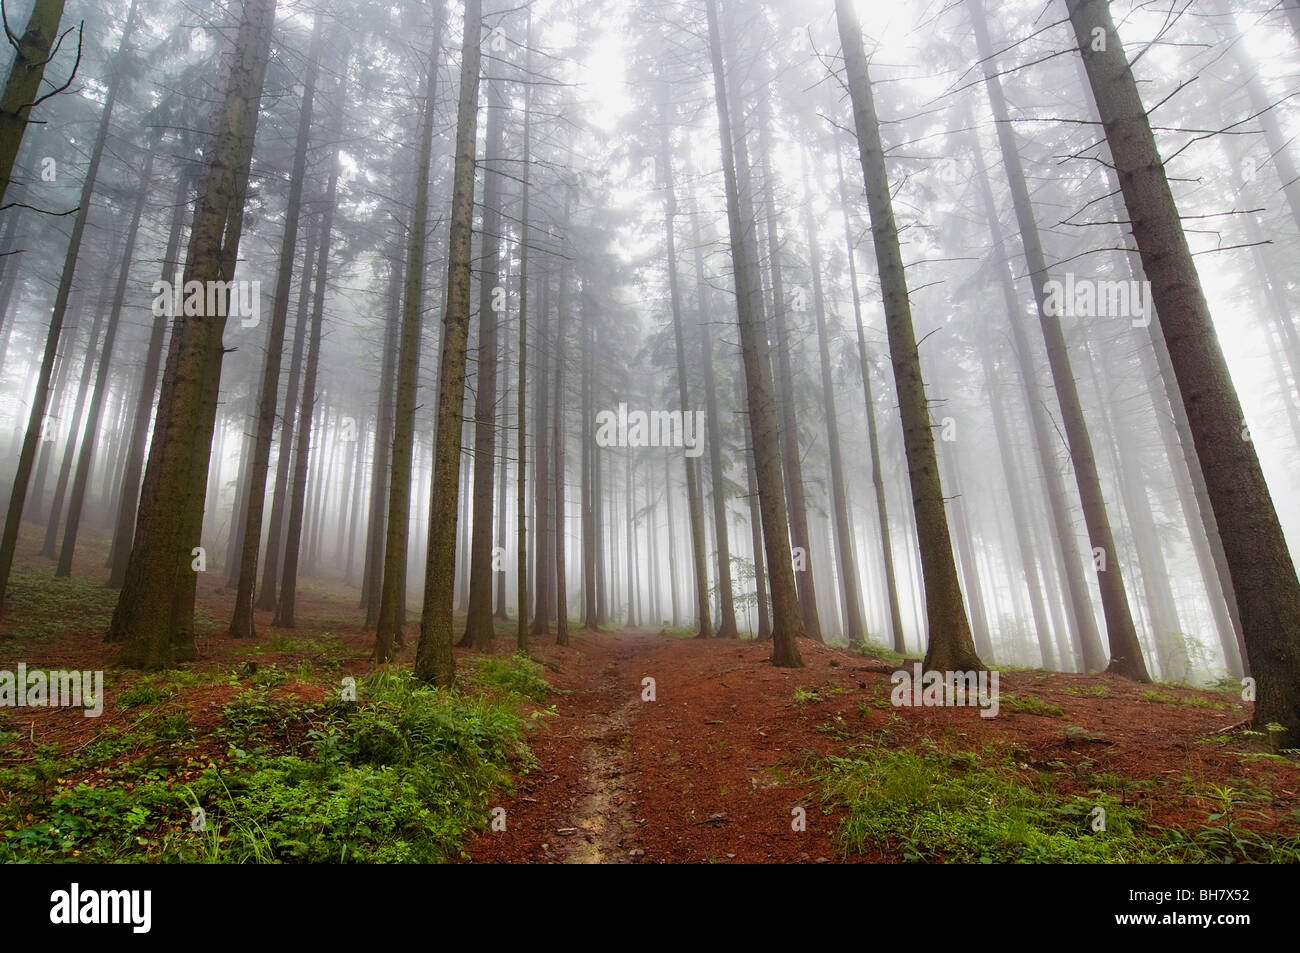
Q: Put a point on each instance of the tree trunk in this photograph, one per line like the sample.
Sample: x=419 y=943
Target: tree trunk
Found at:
x=717 y=474
x=91 y=430
x=764 y=431
x=1263 y=575
x=1125 y=653
x=20 y=95
x=478 y=621
x=154 y=614
x=950 y=645
x=694 y=508
x=23 y=88
x=241 y=623
x=272 y=565
x=848 y=570
x=895 y=634
x=521 y=531
x=289 y=579
x=392 y=585
x=434 y=660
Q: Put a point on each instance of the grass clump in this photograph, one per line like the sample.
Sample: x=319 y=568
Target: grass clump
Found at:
x=930 y=806
x=401 y=775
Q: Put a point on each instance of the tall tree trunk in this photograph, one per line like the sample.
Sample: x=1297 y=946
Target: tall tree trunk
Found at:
x=543 y=538
x=950 y=645
x=764 y=430
x=272 y=565
x=154 y=614
x=717 y=472
x=587 y=507
x=241 y=622
x=434 y=660
x=392 y=584
x=20 y=95
x=895 y=634
x=1066 y=551
x=93 y=417
x=478 y=620
x=694 y=508
x=557 y=439
x=376 y=525
x=792 y=460
x=848 y=570
x=1125 y=653
x=521 y=441
x=1263 y=575
x=289 y=579
x=70 y=445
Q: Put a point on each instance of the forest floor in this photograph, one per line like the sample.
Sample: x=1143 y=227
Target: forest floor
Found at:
x=727 y=759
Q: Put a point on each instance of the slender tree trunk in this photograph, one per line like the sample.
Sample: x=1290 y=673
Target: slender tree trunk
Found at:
x=478 y=621
x=392 y=603
x=848 y=570
x=895 y=634
x=434 y=659
x=1125 y=653
x=1263 y=575
x=717 y=472
x=21 y=93
x=588 y=463
x=543 y=539
x=950 y=647
x=272 y=565
x=557 y=437
x=764 y=430
x=289 y=580
x=695 y=510
x=792 y=460
x=93 y=417
x=373 y=562
x=241 y=623
x=521 y=532
x=70 y=445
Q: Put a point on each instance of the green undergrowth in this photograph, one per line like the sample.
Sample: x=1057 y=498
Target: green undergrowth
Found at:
x=402 y=774
x=40 y=607
x=930 y=805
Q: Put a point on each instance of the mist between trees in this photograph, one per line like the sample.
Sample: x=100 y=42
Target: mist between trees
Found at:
x=963 y=329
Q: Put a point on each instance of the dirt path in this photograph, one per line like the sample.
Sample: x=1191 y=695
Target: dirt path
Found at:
x=717 y=767
x=673 y=771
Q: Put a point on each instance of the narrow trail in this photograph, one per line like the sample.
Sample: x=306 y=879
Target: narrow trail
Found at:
x=725 y=759
x=603 y=827
x=625 y=778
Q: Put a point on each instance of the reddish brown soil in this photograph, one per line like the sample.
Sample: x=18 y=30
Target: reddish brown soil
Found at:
x=711 y=770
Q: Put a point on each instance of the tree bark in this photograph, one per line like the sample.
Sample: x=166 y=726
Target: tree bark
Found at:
x=392 y=602
x=951 y=647
x=764 y=431
x=241 y=623
x=154 y=614
x=434 y=661
x=1263 y=575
